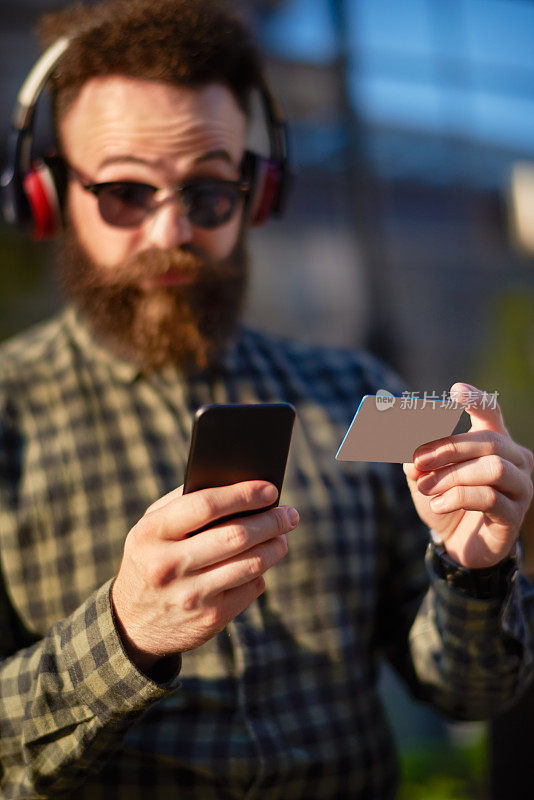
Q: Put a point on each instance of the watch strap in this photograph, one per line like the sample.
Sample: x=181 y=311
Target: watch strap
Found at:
x=482 y=584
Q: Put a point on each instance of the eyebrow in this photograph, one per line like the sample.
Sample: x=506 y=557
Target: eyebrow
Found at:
x=212 y=155
x=220 y=155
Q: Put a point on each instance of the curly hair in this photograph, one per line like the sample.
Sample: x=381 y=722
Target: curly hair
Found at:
x=186 y=42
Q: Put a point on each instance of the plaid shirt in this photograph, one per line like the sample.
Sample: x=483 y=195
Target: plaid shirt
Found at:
x=283 y=703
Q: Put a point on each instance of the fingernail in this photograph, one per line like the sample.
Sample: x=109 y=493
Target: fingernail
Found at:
x=269 y=493
x=437 y=502
x=293 y=517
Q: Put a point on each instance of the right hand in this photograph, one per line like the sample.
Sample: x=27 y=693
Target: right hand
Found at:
x=174 y=591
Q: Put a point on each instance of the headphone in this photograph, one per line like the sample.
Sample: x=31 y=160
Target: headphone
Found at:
x=33 y=189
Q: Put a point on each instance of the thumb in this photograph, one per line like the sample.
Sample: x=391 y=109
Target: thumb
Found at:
x=481 y=406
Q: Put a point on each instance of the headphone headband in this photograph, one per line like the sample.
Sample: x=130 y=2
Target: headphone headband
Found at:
x=35 y=82
x=33 y=190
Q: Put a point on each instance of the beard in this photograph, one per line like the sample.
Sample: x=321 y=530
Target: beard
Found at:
x=187 y=326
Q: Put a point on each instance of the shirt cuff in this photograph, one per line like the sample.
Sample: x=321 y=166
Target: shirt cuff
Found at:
x=461 y=611
x=102 y=675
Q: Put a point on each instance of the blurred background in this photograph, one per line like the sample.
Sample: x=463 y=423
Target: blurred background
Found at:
x=410 y=232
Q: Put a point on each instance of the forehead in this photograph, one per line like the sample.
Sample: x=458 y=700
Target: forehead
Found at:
x=117 y=116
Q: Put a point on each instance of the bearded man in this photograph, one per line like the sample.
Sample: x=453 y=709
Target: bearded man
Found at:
x=137 y=660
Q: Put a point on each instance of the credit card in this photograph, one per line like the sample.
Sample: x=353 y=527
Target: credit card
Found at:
x=389 y=429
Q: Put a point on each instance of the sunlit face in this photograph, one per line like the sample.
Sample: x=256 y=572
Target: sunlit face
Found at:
x=165 y=291
x=121 y=128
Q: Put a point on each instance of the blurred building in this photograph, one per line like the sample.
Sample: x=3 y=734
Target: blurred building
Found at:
x=407 y=119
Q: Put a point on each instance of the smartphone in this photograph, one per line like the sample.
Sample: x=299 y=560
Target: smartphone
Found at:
x=238 y=442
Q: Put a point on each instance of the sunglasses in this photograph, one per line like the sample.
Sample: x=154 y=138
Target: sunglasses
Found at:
x=207 y=203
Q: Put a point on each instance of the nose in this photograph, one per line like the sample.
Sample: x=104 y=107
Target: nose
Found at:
x=169 y=226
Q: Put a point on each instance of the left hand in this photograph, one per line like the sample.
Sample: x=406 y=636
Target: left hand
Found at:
x=473 y=489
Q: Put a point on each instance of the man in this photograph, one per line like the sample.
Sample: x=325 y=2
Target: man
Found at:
x=240 y=662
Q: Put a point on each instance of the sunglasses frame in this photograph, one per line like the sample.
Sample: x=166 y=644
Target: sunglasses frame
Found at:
x=241 y=185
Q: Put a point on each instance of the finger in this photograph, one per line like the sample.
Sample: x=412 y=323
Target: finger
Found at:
x=481 y=406
x=411 y=471
x=178 y=517
x=235 y=601
x=245 y=567
x=222 y=542
x=164 y=499
x=486 y=471
x=467 y=446
x=486 y=499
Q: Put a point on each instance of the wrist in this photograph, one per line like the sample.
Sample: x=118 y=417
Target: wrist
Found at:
x=159 y=668
x=142 y=659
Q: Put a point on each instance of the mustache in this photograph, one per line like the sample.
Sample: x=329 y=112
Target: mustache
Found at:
x=155 y=262
x=185 y=325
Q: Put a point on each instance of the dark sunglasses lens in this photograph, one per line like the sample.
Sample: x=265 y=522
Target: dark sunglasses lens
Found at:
x=210 y=204
x=125 y=204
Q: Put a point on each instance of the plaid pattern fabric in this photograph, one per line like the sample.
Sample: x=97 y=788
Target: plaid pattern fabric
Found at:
x=283 y=703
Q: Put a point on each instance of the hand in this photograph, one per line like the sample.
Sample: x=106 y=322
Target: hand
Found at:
x=473 y=489
x=173 y=591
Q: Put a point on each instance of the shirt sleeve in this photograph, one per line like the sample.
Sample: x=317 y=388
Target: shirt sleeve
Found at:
x=67 y=700
x=474 y=656
x=470 y=658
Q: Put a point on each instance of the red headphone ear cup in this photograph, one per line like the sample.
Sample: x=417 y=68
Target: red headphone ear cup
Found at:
x=265 y=176
x=41 y=193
